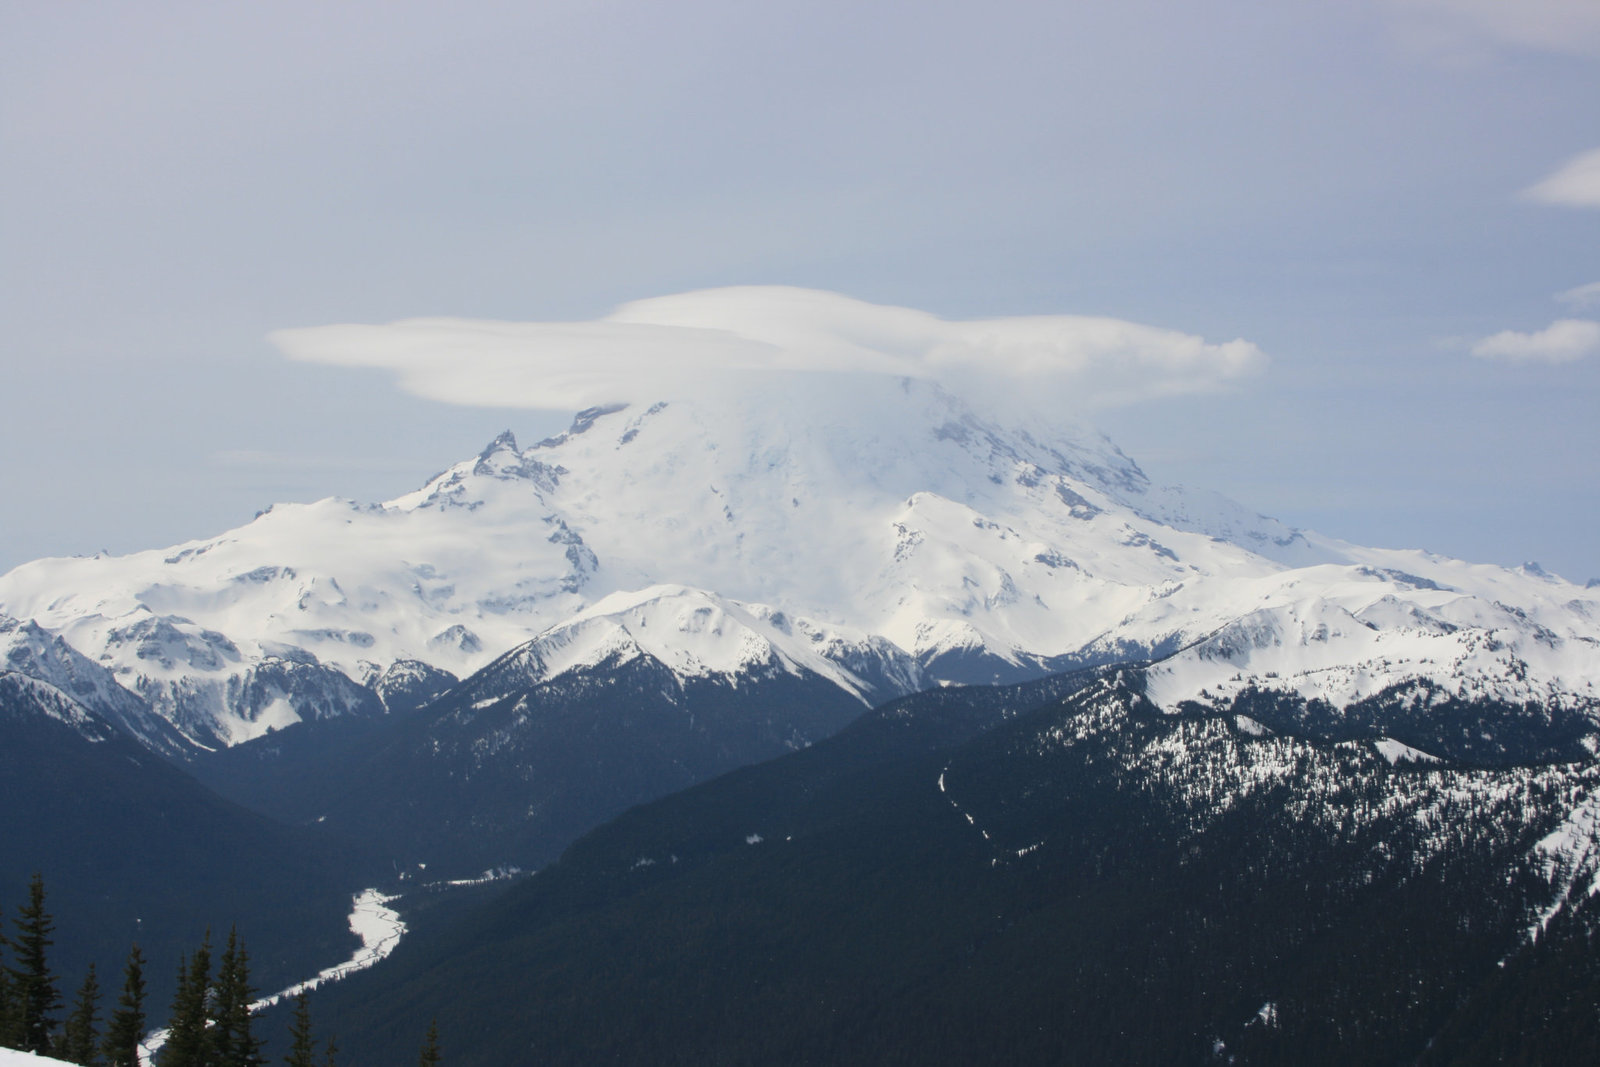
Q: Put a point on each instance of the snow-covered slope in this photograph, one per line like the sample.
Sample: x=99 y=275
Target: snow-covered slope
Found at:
x=29 y=650
x=696 y=634
x=873 y=531
x=1341 y=634
x=12 y=1058
x=28 y=699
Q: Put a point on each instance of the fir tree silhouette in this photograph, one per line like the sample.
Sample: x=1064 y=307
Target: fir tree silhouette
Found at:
x=300 y=1044
x=430 y=1047
x=126 y=1028
x=34 y=998
x=79 y=1042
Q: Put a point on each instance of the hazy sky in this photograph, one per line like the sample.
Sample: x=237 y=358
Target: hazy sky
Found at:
x=1393 y=205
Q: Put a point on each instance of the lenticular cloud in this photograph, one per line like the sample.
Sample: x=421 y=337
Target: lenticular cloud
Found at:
x=672 y=345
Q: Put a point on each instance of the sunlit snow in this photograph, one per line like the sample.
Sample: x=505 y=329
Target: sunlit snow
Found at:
x=879 y=535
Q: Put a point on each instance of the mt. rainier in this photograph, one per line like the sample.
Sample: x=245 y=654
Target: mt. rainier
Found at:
x=871 y=531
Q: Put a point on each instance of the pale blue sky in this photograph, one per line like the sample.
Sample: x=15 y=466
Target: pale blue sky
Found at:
x=1341 y=182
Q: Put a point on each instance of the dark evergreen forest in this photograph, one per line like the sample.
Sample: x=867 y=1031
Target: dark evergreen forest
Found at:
x=1056 y=872
x=1091 y=881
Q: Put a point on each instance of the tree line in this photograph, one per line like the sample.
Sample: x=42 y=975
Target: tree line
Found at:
x=210 y=1023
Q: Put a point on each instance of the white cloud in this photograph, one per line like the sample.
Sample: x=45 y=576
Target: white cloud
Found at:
x=1581 y=296
x=1456 y=28
x=1561 y=342
x=664 y=346
x=1576 y=184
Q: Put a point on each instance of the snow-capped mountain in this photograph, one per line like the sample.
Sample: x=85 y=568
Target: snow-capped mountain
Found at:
x=873 y=531
x=29 y=655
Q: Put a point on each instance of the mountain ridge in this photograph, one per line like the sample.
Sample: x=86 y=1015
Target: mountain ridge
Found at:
x=885 y=528
x=1059 y=871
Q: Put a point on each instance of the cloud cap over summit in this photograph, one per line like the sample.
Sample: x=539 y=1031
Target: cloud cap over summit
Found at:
x=664 y=345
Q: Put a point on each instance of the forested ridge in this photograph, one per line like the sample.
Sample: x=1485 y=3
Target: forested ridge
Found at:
x=1091 y=881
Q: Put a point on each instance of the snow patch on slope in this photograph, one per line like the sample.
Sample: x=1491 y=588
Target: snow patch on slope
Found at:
x=1397 y=752
x=1569 y=858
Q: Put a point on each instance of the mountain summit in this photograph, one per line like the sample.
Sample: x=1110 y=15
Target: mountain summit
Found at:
x=875 y=531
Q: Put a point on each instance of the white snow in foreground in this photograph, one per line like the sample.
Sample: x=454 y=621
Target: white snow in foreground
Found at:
x=12 y=1058
x=380 y=929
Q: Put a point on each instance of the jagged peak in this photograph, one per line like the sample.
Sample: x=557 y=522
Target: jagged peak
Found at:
x=503 y=459
x=505 y=442
x=581 y=422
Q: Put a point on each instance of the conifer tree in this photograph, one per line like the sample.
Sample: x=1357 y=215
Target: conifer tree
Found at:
x=176 y=1037
x=7 y=1017
x=329 y=1053
x=430 y=1047
x=79 y=1042
x=222 y=1008
x=300 y=1045
x=126 y=1028
x=188 y=1040
x=33 y=987
x=233 y=1042
x=5 y=1010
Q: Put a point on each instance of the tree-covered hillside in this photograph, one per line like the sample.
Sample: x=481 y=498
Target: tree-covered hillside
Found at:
x=1092 y=881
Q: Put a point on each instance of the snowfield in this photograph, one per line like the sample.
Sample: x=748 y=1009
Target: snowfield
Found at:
x=13 y=1058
